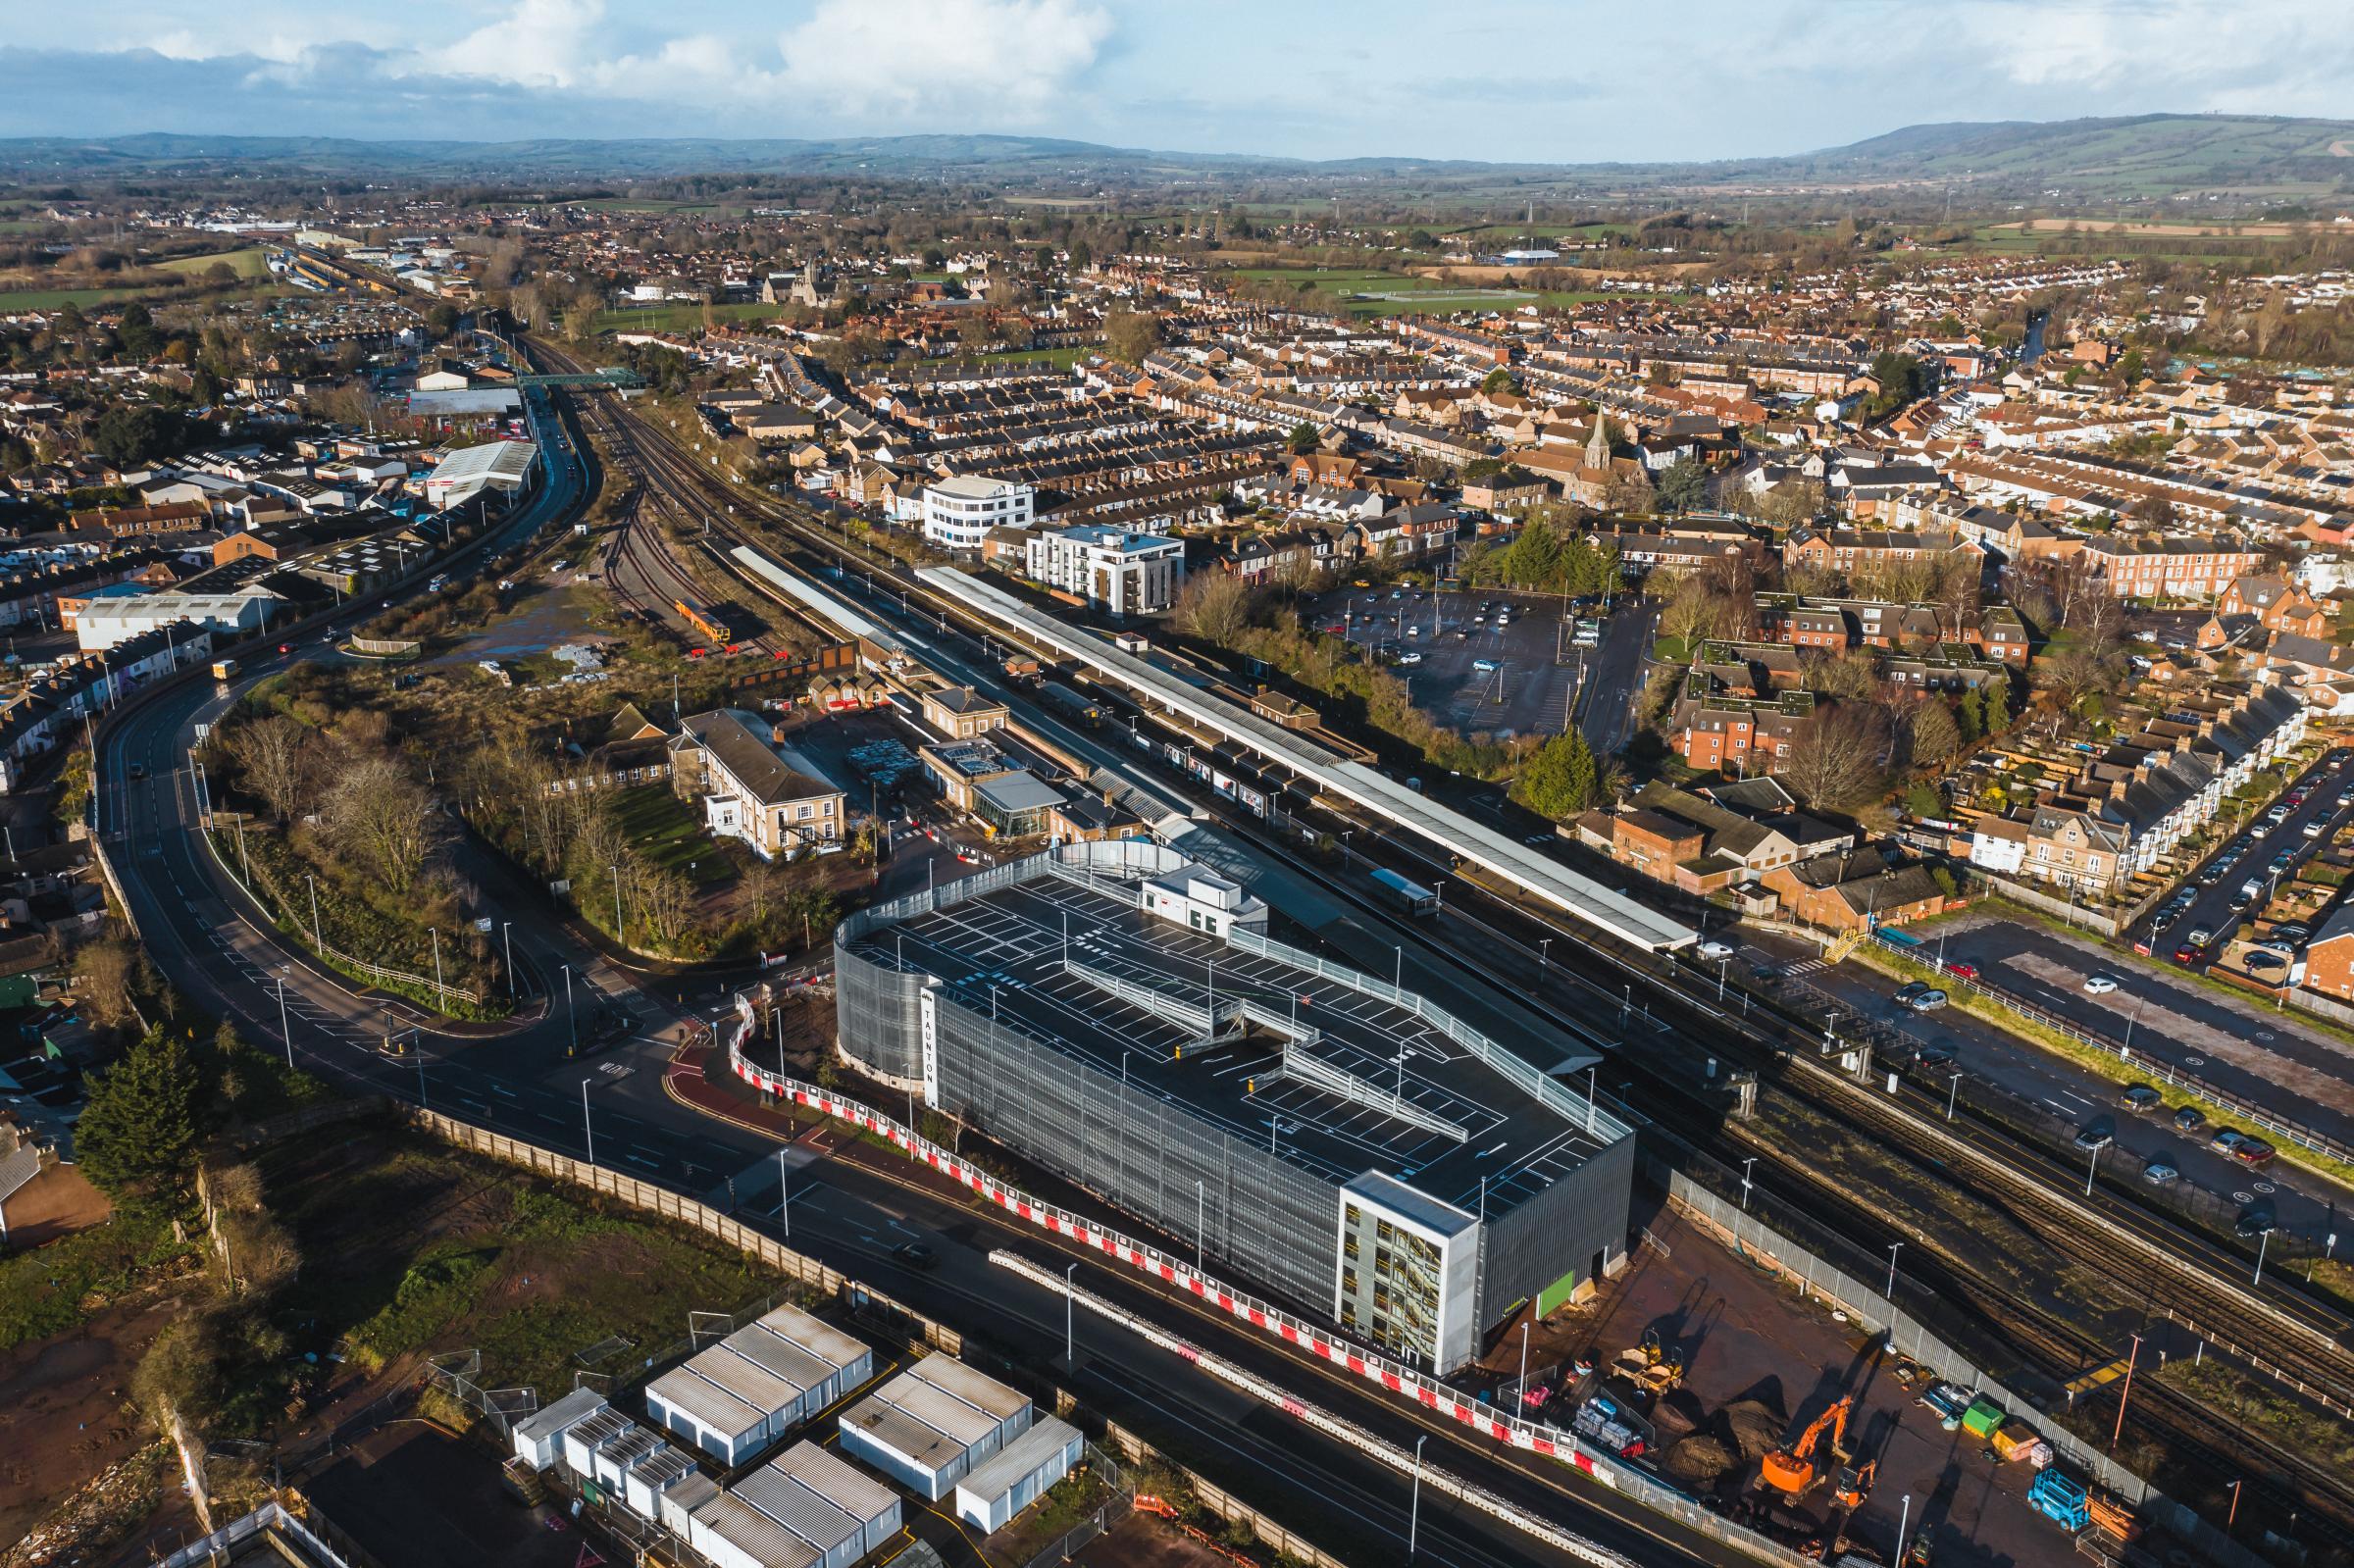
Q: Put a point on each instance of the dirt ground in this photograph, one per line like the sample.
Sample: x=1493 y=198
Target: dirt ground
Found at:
x=1145 y=1541
x=57 y=1203
x=1744 y=1337
x=64 y=1410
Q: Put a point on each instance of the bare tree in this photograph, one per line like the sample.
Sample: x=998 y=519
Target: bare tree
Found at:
x=274 y=753
x=377 y=810
x=1835 y=761
x=1213 y=607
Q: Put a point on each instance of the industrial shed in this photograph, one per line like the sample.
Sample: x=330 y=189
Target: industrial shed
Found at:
x=806 y=1509
x=1019 y=1474
x=757 y=1384
x=928 y=1427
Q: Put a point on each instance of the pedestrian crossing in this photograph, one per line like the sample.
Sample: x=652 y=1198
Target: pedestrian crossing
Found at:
x=1805 y=966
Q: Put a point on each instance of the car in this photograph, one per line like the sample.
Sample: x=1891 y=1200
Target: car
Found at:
x=285 y=647
x=2293 y=931
x=139 y=769
x=2201 y=935
x=2099 y=984
x=2284 y=859
x=1480 y=619
x=2214 y=873
x=2242 y=898
x=1486 y=666
x=1928 y=1001
x=1410 y=656
x=2186 y=954
x=1712 y=950
x=2158 y=1173
x=1965 y=971
x=916 y=1255
x=2253 y=1151
x=2141 y=1097
x=2346 y=799
x=1936 y=1057
x=2263 y=962
x=2094 y=1135
x=2294 y=799
x=2256 y=1222
x=1765 y=974
x=2314 y=829
x=2226 y=1139
x=1413 y=631
x=2190 y=1119
x=1910 y=989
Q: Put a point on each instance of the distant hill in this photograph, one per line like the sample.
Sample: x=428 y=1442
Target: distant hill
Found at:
x=2143 y=155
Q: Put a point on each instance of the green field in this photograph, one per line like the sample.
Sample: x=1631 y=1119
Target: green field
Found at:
x=60 y=298
x=1360 y=286
x=252 y=263
x=680 y=317
x=666 y=832
x=641 y=204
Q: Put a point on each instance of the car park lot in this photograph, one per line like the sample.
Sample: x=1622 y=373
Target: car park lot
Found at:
x=2073 y=1096
x=1489 y=660
x=2266 y=850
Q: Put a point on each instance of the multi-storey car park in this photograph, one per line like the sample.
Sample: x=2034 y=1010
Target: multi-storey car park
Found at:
x=1118 y=1015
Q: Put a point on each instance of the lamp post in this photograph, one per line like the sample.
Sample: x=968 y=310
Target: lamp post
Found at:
x=1894 y=1247
x=784 y=1198
x=2090 y=1170
x=284 y=1029
x=618 y=934
x=1413 y=1518
x=1545 y=955
x=588 y=1131
x=2262 y=1242
x=1071 y=1286
x=1953 y=1091
x=2127 y=1393
x=1200 y=1220
x=317 y=941
x=506 y=930
x=1746 y=1166
x=571 y=1026
x=441 y=992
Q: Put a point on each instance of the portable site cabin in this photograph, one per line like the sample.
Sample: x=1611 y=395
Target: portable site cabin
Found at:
x=540 y=1435
x=757 y=1384
x=583 y=1441
x=929 y=1426
x=1000 y=1487
x=654 y=1477
x=806 y=1509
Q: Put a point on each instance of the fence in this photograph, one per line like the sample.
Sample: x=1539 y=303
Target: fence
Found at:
x=384 y=647
x=272 y=1518
x=1081 y=1536
x=661 y=1201
x=1748 y=1237
x=2296 y=1132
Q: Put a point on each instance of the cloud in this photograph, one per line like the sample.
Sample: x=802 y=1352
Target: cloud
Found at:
x=982 y=60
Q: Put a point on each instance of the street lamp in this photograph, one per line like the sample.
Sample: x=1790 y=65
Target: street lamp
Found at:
x=1953 y=1091
x=588 y=1131
x=317 y=941
x=506 y=930
x=1071 y=1286
x=284 y=1030
x=2090 y=1170
x=570 y=1024
x=1746 y=1166
x=1545 y=954
x=1413 y=1519
x=1893 y=1248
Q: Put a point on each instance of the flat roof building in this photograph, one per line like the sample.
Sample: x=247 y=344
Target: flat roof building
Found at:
x=103 y=623
x=502 y=466
x=993 y=1492
x=1108 y=1010
x=757 y=1384
x=928 y=1427
x=805 y=1509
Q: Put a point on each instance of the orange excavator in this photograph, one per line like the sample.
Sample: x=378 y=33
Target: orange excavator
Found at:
x=1791 y=1470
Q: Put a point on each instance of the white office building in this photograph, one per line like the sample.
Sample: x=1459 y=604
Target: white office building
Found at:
x=106 y=622
x=1127 y=573
x=959 y=512
x=928 y=1427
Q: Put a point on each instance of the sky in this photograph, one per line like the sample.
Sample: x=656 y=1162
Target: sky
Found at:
x=1520 y=81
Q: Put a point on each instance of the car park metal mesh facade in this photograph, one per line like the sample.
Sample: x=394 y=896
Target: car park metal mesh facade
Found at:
x=1249 y=1208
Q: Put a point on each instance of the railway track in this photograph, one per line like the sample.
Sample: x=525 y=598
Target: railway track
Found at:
x=2292 y=1328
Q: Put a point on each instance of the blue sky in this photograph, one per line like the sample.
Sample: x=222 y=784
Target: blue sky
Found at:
x=1512 y=80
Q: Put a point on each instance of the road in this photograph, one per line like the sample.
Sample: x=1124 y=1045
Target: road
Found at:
x=2263 y=853
x=612 y=1106
x=1615 y=678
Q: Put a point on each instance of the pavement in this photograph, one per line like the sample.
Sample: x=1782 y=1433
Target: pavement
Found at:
x=616 y=1106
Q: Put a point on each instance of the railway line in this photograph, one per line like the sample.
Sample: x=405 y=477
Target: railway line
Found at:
x=2127 y=1245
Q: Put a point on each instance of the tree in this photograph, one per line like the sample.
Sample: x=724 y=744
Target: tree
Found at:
x=1628 y=490
x=1561 y=780
x=1994 y=707
x=273 y=754
x=1214 y=607
x=1683 y=486
x=138 y=1134
x=105 y=975
x=138 y=332
x=377 y=810
x=129 y=434
x=1131 y=336
x=1935 y=735
x=1303 y=439
x=1835 y=761
x=1499 y=379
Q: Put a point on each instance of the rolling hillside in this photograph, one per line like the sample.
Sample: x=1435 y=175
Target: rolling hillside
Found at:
x=2145 y=155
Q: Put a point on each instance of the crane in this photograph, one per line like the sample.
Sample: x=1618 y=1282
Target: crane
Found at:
x=1791 y=1470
